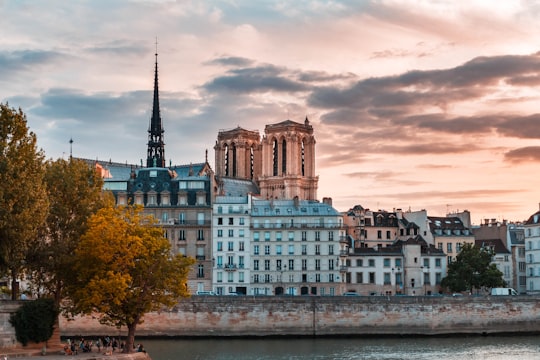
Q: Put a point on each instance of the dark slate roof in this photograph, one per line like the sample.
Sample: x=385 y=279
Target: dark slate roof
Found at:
x=385 y=219
x=291 y=208
x=396 y=247
x=517 y=236
x=445 y=223
x=534 y=219
x=408 y=224
x=496 y=244
x=238 y=187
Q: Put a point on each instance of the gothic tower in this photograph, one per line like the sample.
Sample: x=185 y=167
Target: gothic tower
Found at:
x=238 y=154
x=288 y=157
x=156 y=146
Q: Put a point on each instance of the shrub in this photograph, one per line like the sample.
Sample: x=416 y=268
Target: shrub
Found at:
x=34 y=321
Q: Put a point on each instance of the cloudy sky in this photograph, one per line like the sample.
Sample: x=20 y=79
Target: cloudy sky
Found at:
x=415 y=104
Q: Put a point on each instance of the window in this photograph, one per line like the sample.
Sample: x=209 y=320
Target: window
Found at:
x=398 y=262
x=255 y=264
x=317 y=277
x=230 y=246
x=330 y=279
x=256 y=278
x=317 y=264
x=449 y=260
x=291 y=235
x=330 y=264
x=267 y=236
x=181 y=235
x=386 y=262
x=231 y=221
x=266 y=249
x=219 y=246
x=219 y=277
x=256 y=250
x=200 y=271
x=359 y=263
x=330 y=249
x=438 y=263
x=200 y=234
x=291 y=264
x=304 y=264
x=291 y=249
x=256 y=236
x=278 y=249
x=359 y=278
x=387 y=278
x=438 y=278
x=220 y=221
x=388 y=236
x=458 y=247
x=317 y=236
x=241 y=232
x=372 y=278
x=267 y=265
x=379 y=234
x=372 y=262
x=330 y=236
x=317 y=249
x=241 y=262
x=304 y=249
x=230 y=277
x=220 y=233
x=231 y=233
x=449 y=247
x=426 y=263
x=220 y=262
x=241 y=221
x=440 y=246
x=304 y=236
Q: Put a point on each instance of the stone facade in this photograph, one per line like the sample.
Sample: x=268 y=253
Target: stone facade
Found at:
x=217 y=316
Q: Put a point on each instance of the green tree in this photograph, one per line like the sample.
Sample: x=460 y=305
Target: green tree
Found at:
x=75 y=193
x=472 y=270
x=34 y=320
x=23 y=198
x=124 y=268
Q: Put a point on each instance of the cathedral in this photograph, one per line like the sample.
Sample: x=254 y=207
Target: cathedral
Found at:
x=281 y=164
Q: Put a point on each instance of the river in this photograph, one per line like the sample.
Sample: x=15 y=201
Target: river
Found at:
x=417 y=348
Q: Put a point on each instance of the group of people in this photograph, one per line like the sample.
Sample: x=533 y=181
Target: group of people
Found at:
x=108 y=344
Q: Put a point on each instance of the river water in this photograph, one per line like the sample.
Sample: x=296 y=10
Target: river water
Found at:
x=416 y=348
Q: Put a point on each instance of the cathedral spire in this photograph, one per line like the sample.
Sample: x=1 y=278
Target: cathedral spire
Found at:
x=156 y=146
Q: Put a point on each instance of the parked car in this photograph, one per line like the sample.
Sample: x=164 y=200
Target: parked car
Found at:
x=503 y=291
x=211 y=293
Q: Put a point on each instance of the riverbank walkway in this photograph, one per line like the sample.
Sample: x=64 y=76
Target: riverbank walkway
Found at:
x=34 y=354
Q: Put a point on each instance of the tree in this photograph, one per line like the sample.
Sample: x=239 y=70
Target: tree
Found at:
x=34 y=321
x=75 y=193
x=124 y=268
x=472 y=270
x=23 y=199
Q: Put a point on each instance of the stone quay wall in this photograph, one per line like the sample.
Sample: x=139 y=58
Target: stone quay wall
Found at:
x=243 y=316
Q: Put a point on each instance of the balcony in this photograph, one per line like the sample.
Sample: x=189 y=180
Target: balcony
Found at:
x=343 y=268
x=230 y=267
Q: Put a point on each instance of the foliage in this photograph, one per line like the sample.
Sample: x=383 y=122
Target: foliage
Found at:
x=34 y=321
x=472 y=270
x=23 y=199
x=75 y=193
x=124 y=268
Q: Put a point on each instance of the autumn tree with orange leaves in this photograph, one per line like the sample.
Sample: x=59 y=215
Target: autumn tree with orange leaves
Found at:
x=124 y=269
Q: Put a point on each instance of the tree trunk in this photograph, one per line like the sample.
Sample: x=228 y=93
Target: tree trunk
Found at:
x=130 y=340
x=14 y=286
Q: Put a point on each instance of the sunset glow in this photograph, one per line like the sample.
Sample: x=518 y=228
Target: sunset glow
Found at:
x=415 y=104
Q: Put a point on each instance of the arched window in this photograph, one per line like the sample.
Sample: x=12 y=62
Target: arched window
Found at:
x=303 y=159
x=226 y=149
x=275 y=157
x=251 y=161
x=233 y=160
x=284 y=157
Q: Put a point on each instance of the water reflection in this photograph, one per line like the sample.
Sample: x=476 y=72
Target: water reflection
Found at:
x=453 y=348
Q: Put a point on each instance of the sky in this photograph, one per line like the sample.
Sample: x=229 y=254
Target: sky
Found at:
x=415 y=104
